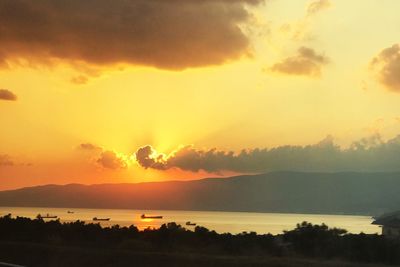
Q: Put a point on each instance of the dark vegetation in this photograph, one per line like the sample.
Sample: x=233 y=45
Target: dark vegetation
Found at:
x=39 y=243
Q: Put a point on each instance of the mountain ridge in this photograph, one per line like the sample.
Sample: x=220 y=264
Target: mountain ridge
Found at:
x=287 y=192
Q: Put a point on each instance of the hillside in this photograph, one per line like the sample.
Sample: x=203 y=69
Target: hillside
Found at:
x=291 y=192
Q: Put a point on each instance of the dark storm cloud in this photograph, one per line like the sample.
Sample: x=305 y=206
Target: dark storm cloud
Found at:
x=387 y=65
x=306 y=62
x=7 y=95
x=172 y=34
x=369 y=154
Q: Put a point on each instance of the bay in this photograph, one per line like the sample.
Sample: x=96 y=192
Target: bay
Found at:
x=221 y=222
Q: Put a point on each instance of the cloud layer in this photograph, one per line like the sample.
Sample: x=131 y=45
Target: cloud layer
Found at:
x=306 y=62
x=7 y=95
x=173 y=34
x=387 y=65
x=369 y=154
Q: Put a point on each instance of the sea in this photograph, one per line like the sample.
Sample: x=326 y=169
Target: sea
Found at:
x=221 y=222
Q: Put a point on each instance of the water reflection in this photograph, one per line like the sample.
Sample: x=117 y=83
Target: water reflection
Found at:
x=233 y=222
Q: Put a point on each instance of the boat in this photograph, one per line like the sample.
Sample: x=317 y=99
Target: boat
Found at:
x=189 y=223
x=70 y=212
x=101 y=219
x=47 y=216
x=144 y=216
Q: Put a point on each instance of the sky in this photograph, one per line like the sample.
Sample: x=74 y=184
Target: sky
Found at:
x=135 y=90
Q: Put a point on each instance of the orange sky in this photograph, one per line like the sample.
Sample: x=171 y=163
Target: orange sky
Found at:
x=188 y=77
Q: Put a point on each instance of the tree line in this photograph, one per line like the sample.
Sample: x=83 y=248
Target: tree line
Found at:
x=305 y=241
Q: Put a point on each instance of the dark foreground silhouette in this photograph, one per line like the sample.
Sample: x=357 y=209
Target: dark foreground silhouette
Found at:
x=39 y=243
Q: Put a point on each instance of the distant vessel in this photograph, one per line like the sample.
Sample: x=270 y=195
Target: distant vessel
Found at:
x=46 y=216
x=70 y=212
x=101 y=219
x=144 y=216
x=189 y=223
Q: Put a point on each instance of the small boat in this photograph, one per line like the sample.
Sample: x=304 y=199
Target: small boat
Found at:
x=189 y=223
x=46 y=216
x=101 y=219
x=144 y=216
x=70 y=212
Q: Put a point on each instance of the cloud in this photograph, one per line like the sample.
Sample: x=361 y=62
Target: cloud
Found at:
x=367 y=154
x=300 y=30
x=147 y=157
x=80 y=79
x=6 y=160
x=107 y=159
x=317 y=6
x=7 y=95
x=174 y=34
x=306 y=62
x=110 y=160
x=89 y=147
x=387 y=66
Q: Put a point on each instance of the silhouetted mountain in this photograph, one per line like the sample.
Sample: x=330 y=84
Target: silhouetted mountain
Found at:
x=293 y=192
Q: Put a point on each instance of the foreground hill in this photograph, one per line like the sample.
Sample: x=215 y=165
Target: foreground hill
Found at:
x=329 y=193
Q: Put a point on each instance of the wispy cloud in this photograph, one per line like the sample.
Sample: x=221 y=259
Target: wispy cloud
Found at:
x=89 y=147
x=300 y=30
x=110 y=160
x=107 y=159
x=7 y=95
x=306 y=62
x=80 y=79
x=317 y=6
x=5 y=160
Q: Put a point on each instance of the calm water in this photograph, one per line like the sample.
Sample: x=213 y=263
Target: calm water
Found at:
x=232 y=222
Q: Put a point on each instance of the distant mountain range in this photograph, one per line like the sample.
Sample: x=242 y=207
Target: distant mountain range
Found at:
x=286 y=192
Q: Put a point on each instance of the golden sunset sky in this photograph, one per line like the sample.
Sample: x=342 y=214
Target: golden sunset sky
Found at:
x=131 y=91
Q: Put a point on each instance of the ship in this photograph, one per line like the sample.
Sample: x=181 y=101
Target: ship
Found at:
x=144 y=216
x=46 y=216
x=101 y=219
x=189 y=223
